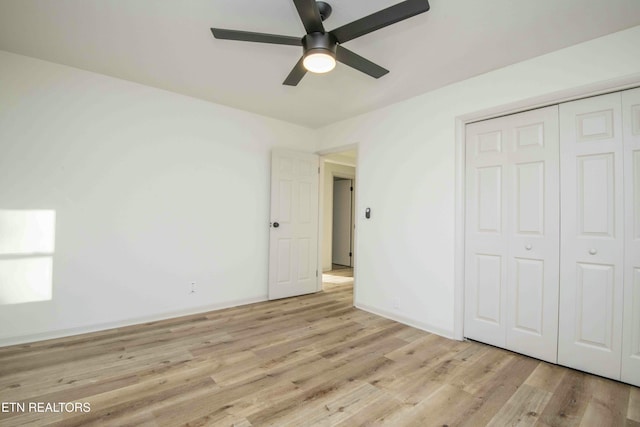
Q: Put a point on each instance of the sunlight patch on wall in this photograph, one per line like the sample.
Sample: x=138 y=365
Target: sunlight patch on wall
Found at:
x=25 y=280
x=27 y=232
x=27 y=245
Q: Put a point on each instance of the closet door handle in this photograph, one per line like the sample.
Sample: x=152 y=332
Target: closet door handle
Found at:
x=593 y=251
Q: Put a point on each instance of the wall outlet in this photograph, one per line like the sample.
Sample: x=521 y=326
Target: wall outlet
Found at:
x=193 y=288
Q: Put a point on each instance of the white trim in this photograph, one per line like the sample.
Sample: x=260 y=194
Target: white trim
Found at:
x=63 y=333
x=340 y=149
x=546 y=100
x=567 y=95
x=458 y=262
x=319 y=270
x=406 y=320
x=336 y=162
x=356 y=205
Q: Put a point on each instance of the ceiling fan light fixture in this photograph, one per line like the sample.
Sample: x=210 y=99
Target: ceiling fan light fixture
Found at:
x=319 y=61
x=321 y=48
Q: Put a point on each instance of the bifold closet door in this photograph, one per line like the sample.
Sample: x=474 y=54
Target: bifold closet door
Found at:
x=631 y=323
x=591 y=271
x=534 y=234
x=486 y=232
x=512 y=232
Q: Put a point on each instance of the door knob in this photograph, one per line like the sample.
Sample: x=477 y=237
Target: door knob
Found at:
x=528 y=247
x=593 y=251
x=276 y=225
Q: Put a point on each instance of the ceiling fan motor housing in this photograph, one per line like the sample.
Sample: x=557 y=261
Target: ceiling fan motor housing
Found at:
x=319 y=43
x=325 y=9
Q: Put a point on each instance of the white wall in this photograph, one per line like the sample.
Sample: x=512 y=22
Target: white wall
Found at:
x=405 y=252
x=329 y=170
x=151 y=191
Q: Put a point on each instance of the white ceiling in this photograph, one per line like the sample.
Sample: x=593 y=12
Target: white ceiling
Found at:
x=168 y=44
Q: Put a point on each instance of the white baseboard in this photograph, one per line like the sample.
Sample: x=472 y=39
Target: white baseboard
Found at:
x=61 y=333
x=407 y=321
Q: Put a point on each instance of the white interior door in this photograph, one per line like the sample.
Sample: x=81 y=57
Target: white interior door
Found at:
x=592 y=235
x=631 y=322
x=534 y=234
x=512 y=232
x=342 y=229
x=293 y=238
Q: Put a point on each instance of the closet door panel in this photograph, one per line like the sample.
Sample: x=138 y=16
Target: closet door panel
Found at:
x=486 y=241
x=631 y=326
x=591 y=273
x=594 y=305
x=533 y=259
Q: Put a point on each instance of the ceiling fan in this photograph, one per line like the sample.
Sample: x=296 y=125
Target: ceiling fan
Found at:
x=321 y=49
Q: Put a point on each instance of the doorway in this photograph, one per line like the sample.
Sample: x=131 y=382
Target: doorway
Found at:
x=342 y=233
x=338 y=201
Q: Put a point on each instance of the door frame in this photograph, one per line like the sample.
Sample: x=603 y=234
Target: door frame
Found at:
x=321 y=207
x=552 y=98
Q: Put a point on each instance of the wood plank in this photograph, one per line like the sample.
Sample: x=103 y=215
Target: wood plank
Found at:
x=523 y=408
x=569 y=402
x=442 y=407
x=633 y=411
x=375 y=412
x=497 y=390
x=546 y=377
x=608 y=404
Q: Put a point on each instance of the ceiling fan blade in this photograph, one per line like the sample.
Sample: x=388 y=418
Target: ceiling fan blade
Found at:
x=310 y=16
x=296 y=74
x=380 y=19
x=356 y=61
x=247 y=36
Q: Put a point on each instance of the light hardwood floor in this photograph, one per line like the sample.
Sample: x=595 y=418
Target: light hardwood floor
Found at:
x=310 y=360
